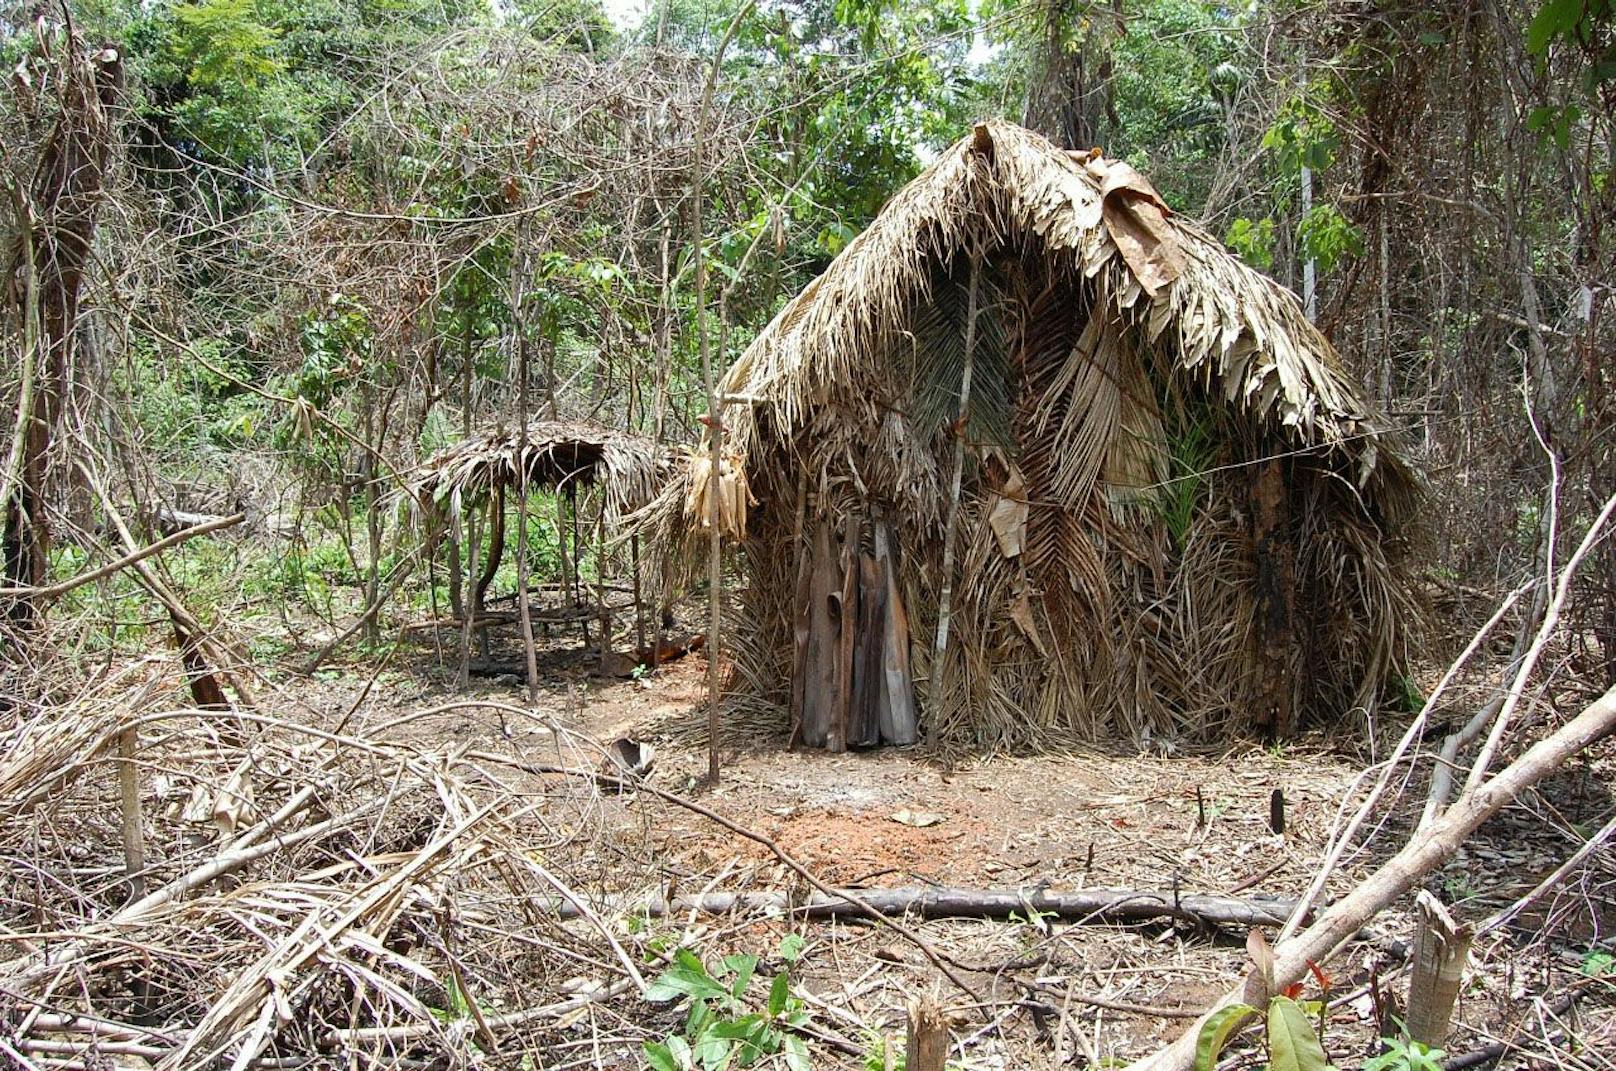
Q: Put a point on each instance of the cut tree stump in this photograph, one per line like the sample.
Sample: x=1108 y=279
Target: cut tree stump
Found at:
x=926 y=1046
x=1441 y=947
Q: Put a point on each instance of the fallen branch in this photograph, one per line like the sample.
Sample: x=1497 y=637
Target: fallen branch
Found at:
x=33 y=969
x=174 y=540
x=1492 y=1052
x=337 y=1039
x=204 y=650
x=752 y=835
x=401 y=572
x=1084 y=906
x=1154 y=1011
x=1403 y=871
x=1496 y=717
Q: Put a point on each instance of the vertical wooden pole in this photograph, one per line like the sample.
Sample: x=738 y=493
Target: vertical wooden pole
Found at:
x=945 y=600
x=715 y=426
x=134 y=834
x=469 y=590
x=601 y=613
x=519 y=281
x=639 y=595
x=1441 y=947
x=577 y=595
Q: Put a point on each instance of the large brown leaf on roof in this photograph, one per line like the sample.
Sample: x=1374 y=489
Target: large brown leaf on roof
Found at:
x=1135 y=217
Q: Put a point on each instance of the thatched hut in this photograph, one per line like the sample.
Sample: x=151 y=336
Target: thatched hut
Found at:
x=624 y=471
x=1042 y=458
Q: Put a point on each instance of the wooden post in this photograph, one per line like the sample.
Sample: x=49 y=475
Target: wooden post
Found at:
x=1441 y=947
x=926 y=1048
x=1275 y=591
x=715 y=408
x=134 y=835
x=520 y=279
x=945 y=600
x=602 y=614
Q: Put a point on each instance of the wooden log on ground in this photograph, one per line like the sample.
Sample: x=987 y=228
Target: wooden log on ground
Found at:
x=1083 y=906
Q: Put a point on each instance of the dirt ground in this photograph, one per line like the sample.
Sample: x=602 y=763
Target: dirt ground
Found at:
x=1047 y=995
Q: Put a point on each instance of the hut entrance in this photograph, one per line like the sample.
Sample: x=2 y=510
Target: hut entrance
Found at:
x=851 y=684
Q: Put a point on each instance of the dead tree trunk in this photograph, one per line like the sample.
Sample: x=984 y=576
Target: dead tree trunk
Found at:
x=58 y=213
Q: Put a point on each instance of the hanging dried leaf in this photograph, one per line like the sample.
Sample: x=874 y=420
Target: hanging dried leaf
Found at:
x=1008 y=516
x=1021 y=614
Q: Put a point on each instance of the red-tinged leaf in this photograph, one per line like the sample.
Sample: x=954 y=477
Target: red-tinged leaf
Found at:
x=1293 y=990
x=1318 y=973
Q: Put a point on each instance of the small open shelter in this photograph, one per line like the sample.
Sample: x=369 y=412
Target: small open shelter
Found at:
x=1037 y=458
x=623 y=470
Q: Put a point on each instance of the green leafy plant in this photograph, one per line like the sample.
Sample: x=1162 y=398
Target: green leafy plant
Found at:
x=1599 y=963
x=721 y=1029
x=1032 y=917
x=1404 y=1054
x=880 y=1054
x=1326 y=236
x=1252 y=241
x=1406 y=695
x=1293 y=1041
x=1302 y=136
x=1293 y=1029
x=1192 y=453
x=457 y=1008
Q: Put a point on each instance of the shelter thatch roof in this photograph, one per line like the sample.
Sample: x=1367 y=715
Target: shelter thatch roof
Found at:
x=1235 y=329
x=557 y=456
x=1165 y=461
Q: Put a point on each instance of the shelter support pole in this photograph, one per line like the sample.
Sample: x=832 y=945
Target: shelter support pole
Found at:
x=715 y=404
x=524 y=608
x=945 y=599
x=1276 y=597
x=473 y=608
x=576 y=595
x=800 y=619
x=639 y=595
x=601 y=612
x=496 y=554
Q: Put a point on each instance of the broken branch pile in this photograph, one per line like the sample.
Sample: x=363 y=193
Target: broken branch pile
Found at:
x=307 y=894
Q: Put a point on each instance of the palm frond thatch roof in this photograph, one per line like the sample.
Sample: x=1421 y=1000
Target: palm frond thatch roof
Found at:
x=1241 y=332
x=556 y=455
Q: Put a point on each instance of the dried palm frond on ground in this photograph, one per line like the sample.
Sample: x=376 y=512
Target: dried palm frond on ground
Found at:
x=1169 y=484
